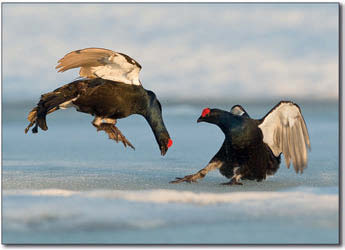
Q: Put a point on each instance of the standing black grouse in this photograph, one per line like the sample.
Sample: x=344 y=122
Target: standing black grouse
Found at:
x=252 y=148
x=109 y=90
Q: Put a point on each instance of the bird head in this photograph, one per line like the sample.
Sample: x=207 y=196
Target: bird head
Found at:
x=224 y=120
x=209 y=115
x=164 y=144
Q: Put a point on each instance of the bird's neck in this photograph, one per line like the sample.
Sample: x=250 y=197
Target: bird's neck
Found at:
x=227 y=122
x=222 y=122
x=155 y=120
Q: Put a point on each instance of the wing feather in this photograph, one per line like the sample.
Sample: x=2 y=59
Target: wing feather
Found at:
x=297 y=154
x=285 y=132
x=286 y=147
x=102 y=63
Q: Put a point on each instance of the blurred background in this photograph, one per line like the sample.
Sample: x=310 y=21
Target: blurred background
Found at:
x=188 y=52
x=71 y=184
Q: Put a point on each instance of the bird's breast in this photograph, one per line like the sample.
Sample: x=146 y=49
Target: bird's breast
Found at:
x=245 y=135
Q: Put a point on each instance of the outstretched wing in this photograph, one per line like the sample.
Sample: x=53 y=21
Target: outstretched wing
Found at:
x=102 y=63
x=238 y=110
x=285 y=131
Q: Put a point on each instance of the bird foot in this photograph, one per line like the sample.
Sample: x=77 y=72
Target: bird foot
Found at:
x=188 y=178
x=114 y=133
x=233 y=181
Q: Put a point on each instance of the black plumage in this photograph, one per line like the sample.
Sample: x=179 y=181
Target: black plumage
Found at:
x=252 y=148
x=108 y=101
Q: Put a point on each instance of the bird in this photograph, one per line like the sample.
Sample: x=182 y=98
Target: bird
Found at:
x=252 y=147
x=108 y=89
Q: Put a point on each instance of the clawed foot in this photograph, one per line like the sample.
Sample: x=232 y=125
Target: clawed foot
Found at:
x=233 y=181
x=188 y=178
x=114 y=133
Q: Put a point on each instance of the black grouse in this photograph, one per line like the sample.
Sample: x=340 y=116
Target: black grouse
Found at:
x=111 y=90
x=252 y=148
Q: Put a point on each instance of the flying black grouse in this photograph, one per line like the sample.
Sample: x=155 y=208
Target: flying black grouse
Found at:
x=110 y=90
x=252 y=148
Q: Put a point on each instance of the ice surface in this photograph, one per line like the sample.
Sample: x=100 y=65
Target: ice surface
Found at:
x=49 y=214
x=73 y=185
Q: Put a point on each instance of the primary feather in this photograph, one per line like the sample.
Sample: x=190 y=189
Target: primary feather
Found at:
x=285 y=131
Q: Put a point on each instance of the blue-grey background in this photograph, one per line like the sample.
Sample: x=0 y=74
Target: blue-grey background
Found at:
x=188 y=51
x=73 y=185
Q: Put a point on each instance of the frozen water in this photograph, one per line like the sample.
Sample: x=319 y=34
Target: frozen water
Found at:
x=73 y=185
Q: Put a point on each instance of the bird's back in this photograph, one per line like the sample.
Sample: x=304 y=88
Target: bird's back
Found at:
x=107 y=98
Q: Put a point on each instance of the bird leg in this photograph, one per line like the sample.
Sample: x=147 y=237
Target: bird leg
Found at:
x=200 y=174
x=108 y=126
x=234 y=180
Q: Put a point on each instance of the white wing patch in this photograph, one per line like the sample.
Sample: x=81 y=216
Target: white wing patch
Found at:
x=285 y=131
x=68 y=104
x=102 y=63
x=238 y=110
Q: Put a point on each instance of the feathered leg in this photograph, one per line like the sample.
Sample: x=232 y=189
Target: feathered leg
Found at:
x=235 y=179
x=200 y=174
x=108 y=126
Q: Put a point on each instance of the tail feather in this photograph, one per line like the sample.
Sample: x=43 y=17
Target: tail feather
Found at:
x=50 y=102
x=31 y=118
x=39 y=120
x=32 y=115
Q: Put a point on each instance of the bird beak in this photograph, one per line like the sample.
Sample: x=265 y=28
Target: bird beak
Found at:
x=201 y=119
x=163 y=150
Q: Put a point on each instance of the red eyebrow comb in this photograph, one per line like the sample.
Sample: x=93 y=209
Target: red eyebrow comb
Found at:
x=205 y=112
x=170 y=143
